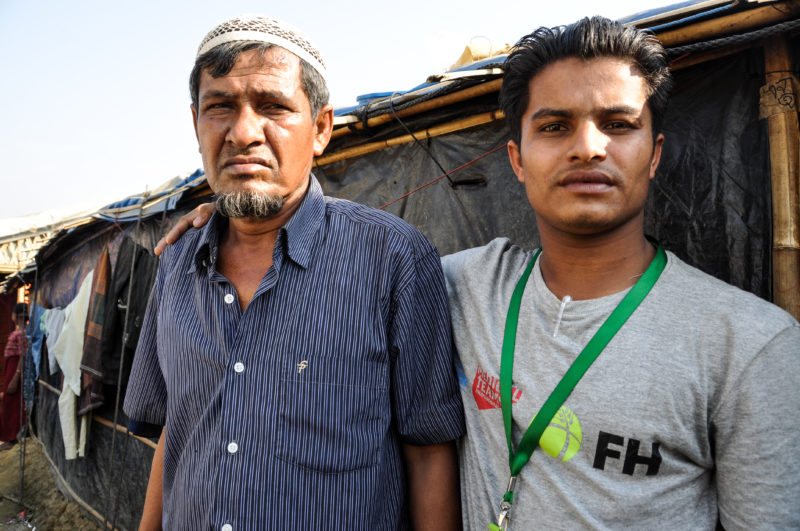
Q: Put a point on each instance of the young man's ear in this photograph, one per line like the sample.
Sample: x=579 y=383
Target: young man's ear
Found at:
x=656 y=159
x=515 y=157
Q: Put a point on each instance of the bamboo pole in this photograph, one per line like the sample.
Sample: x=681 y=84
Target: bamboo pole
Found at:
x=102 y=420
x=784 y=154
x=710 y=55
x=450 y=127
x=434 y=103
x=735 y=23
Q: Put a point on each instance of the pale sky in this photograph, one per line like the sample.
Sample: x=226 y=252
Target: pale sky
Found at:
x=94 y=98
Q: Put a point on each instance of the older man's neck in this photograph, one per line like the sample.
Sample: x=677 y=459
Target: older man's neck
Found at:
x=592 y=267
x=245 y=251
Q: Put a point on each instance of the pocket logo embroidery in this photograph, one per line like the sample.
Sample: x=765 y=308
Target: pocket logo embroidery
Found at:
x=302 y=365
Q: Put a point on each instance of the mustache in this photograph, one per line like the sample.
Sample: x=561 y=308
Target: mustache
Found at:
x=587 y=173
x=232 y=156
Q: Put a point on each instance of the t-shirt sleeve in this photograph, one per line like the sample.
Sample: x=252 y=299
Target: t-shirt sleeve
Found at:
x=427 y=404
x=146 y=397
x=757 y=437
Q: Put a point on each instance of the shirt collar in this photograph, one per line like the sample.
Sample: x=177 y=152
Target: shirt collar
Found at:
x=299 y=232
x=207 y=247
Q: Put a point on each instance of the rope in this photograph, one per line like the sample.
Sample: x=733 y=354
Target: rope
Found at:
x=734 y=39
x=447 y=174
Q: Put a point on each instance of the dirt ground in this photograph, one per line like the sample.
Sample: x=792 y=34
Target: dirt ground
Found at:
x=45 y=506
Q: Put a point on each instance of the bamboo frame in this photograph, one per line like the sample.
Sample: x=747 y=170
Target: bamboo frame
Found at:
x=450 y=127
x=784 y=154
x=710 y=55
x=102 y=420
x=737 y=22
x=434 y=103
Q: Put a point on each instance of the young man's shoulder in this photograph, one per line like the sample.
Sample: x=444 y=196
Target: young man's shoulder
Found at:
x=708 y=296
x=488 y=263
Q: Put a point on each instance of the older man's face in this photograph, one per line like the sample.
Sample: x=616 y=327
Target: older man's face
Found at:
x=255 y=128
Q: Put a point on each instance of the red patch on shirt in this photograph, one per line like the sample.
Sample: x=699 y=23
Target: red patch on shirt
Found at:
x=486 y=390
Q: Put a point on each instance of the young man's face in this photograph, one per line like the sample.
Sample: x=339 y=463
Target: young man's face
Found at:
x=586 y=153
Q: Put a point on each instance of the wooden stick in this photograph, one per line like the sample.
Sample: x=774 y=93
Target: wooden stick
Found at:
x=435 y=103
x=449 y=127
x=784 y=154
x=734 y=23
x=122 y=429
x=103 y=421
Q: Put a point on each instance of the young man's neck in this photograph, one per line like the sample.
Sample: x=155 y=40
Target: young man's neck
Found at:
x=589 y=267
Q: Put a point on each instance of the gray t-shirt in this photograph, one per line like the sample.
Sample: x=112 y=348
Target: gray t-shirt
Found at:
x=691 y=411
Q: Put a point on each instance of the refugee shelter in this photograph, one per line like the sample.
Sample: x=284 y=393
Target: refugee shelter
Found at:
x=726 y=198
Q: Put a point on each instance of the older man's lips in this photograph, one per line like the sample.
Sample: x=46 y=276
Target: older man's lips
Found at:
x=587 y=182
x=245 y=165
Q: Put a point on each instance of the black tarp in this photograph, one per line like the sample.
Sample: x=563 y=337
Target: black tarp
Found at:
x=709 y=203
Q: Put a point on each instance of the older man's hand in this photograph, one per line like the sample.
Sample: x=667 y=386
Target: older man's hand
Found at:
x=196 y=218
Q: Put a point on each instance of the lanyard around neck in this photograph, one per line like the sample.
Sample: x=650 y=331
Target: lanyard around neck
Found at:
x=530 y=440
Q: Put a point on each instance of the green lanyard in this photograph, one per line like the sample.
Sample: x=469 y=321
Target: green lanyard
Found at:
x=530 y=440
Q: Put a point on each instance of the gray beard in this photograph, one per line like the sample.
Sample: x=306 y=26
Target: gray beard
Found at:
x=246 y=204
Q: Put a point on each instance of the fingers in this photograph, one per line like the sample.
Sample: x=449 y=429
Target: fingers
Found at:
x=196 y=218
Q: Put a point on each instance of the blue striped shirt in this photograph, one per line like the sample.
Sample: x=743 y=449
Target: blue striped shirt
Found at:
x=290 y=415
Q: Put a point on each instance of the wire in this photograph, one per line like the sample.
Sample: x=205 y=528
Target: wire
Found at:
x=446 y=174
x=423 y=146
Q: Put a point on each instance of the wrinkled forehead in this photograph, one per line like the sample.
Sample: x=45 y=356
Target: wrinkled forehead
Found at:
x=273 y=67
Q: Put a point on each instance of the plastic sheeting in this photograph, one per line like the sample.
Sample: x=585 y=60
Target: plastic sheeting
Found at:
x=709 y=203
x=98 y=481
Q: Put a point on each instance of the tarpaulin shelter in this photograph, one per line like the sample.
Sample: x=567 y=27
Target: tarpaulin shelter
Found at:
x=726 y=197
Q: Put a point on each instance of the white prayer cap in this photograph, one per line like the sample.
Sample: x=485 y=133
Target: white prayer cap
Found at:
x=264 y=29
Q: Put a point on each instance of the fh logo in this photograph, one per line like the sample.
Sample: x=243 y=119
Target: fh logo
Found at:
x=302 y=365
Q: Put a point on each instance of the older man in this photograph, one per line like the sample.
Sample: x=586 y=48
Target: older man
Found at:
x=296 y=350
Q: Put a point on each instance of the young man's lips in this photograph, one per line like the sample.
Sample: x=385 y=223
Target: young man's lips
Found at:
x=587 y=182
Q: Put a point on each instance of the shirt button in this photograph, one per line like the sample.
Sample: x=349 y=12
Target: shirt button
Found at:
x=227 y=527
x=228 y=298
x=233 y=447
x=238 y=366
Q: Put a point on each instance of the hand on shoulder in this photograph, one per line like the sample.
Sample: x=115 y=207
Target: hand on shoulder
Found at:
x=196 y=218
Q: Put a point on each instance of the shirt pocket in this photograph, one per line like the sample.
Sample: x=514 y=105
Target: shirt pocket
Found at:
x=334 y=414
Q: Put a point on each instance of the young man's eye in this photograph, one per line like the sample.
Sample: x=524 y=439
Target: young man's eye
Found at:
x=552 y=128
x=619 y=124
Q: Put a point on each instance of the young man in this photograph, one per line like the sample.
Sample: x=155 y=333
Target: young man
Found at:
x=690 y=412
x=297 y=350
